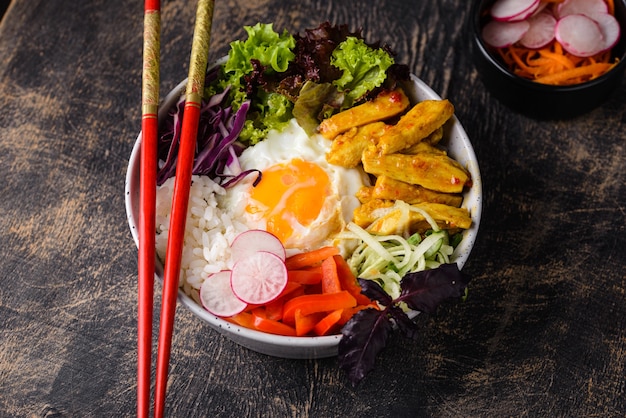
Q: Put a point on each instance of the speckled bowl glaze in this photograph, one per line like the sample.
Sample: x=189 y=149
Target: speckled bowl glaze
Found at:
x=459 y=147
x=542 y=101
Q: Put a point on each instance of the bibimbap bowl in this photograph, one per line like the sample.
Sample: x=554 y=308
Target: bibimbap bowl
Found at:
x=458 y=145
x=208 y=208
x=538 y=100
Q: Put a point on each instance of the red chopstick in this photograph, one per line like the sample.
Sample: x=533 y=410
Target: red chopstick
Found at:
x=148 y=164
x=180 y=201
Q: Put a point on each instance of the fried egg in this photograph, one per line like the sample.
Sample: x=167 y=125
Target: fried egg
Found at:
x=301 y=198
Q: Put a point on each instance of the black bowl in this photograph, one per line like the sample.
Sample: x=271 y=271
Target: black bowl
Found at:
x=542 y=101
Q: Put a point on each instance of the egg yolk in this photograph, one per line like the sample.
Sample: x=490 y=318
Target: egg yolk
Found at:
x=289 y=196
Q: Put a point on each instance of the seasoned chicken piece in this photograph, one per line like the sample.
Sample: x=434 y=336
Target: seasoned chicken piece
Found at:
x=386 y=105
x=418 y=123
x=364 y=194
x=347 y=148
x=390 y=189
x=433 y=171
x=424 y=146
x=434 y=137
x=369 y=211
x=404 y=220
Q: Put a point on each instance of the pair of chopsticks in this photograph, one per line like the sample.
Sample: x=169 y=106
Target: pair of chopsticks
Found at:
x=180 y=202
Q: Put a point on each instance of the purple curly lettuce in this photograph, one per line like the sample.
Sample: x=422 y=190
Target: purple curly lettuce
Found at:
x=217 y=148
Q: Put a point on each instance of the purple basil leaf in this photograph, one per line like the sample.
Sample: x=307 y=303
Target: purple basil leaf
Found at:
x=425 y=290
x=364 y=336
x=366 y=333
x=408 y=328
x=374 y=291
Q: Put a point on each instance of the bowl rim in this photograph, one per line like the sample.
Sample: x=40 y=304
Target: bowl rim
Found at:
x=321 y=344
x=478 y=9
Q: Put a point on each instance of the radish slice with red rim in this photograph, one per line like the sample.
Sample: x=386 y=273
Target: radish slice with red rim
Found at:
x=502 y=34
x=254 y=240
x=259 y=278
x=540 y=8
x=541 y=31
x=580 y=35
x=609 y=26
x=581 y=7
x=217 y=295
x=513 y=10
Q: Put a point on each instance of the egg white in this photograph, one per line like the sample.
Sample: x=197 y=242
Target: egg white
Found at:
x=282 y=147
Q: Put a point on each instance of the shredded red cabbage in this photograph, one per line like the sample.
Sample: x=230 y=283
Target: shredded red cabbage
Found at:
x=217 y=148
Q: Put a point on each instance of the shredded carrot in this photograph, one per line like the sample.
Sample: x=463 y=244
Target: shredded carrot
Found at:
x=310 y=258
x=304 y=276
x=347 y=313
x=321 y=295
x=244 y=319
x=611 y=7
x=272 y=327
x=309 y=304
x=330 y=278
x=327 y=324
x=349 y=282
x=560 y=59
x=306 y=323
x=579 y=73
x=274 y=309
x=553 y=65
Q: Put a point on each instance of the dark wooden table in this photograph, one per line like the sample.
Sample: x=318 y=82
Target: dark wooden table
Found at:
x=543 y=332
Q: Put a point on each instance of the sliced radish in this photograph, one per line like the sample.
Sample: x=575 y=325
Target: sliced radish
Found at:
x=609 y=26
x=581 y=7
x=503 y=34
x=541 y=31
x=579 y=35
x=259 y=278
x=513 y=10
x=254 y=240
x=217 y=295
x=540 y=8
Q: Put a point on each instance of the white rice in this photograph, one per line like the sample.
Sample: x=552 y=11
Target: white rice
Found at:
x=209 y=231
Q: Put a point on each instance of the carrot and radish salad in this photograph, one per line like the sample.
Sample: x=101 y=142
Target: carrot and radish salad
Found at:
x=321 y=295
x=313 y=293
x=553 y=65
x=556 y=42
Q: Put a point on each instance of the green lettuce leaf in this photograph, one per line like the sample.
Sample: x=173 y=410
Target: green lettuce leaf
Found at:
x=272 y=111
x=271 y=49
x=272 y=53
x=364 y=68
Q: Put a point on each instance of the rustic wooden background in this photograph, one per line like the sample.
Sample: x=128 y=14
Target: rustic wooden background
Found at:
x=543 y=332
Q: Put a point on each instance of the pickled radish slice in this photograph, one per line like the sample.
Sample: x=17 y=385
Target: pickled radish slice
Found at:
x=580 y=35
x=249 y=242
x=502 y=34
x=581 y=7
x=541 y=31
x=609 y=26
x=540 y=8
x=513 y=10
x=217 y=295
x=259 y=278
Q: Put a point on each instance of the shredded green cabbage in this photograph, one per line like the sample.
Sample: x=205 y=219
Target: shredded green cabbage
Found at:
x=388 y=258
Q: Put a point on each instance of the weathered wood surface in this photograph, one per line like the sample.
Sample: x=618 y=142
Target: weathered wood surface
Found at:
x=543 y=332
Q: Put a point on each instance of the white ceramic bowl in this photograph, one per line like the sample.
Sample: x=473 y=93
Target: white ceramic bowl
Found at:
x=459 y=147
